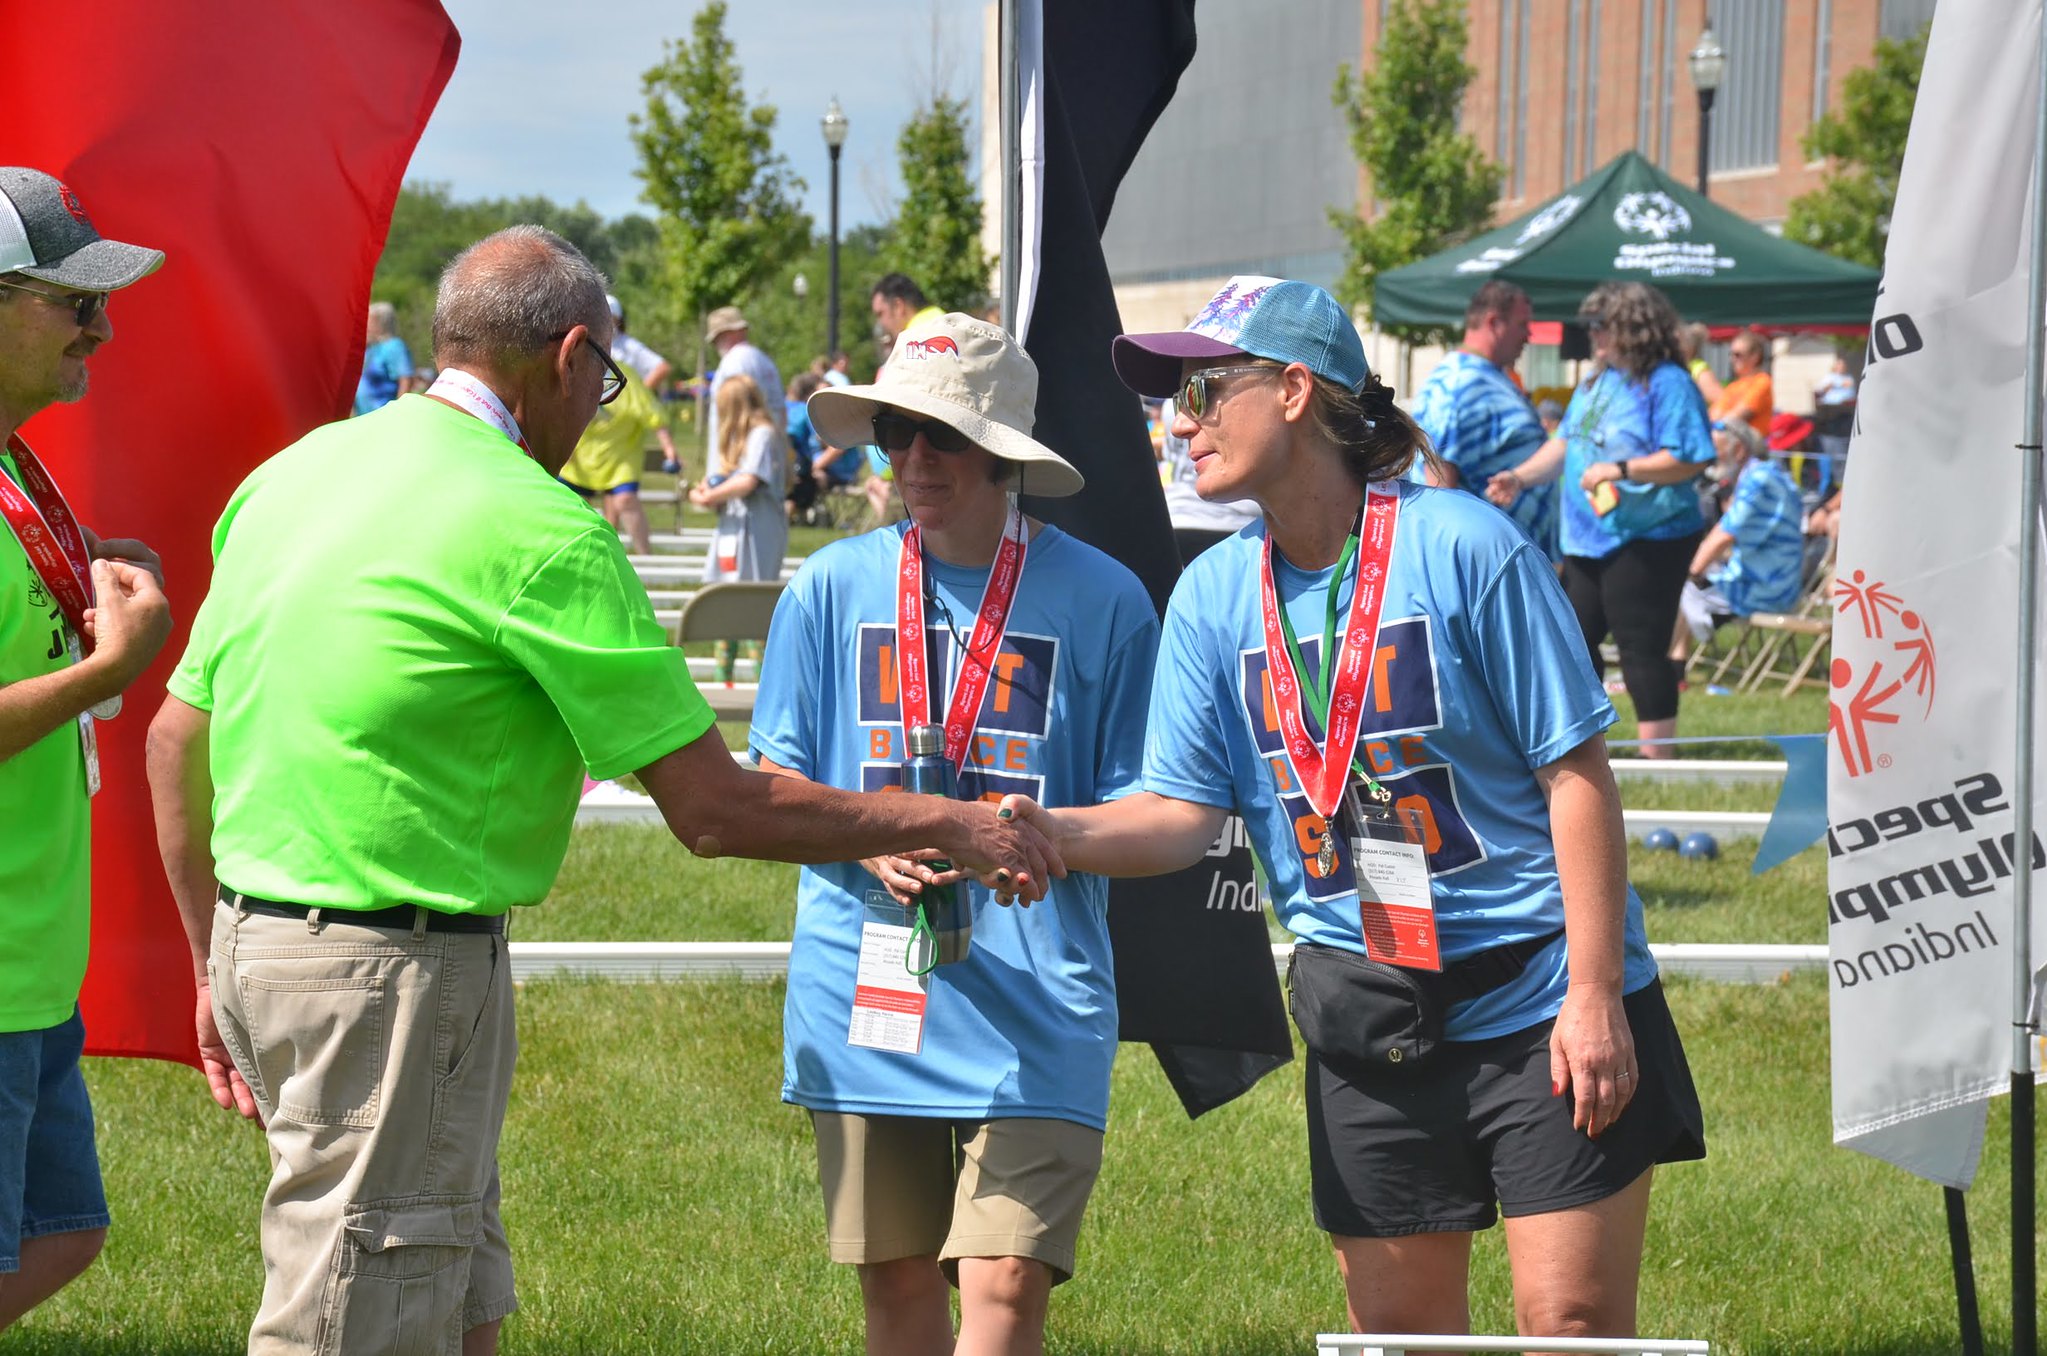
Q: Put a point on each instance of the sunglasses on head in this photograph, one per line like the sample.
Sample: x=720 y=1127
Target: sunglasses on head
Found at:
x=85 y=307
x=895 y=433
x=1198 y=393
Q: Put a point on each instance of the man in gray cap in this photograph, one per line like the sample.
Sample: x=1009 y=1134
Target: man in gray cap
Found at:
x=61 y=588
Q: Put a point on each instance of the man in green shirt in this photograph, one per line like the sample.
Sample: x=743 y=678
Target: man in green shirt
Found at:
x=373 y=748
x=59 y=585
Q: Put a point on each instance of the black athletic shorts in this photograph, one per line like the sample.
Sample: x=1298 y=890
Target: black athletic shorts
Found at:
x=1446 y=1148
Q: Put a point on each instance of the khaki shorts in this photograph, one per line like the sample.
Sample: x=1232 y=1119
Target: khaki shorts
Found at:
x=382 y=1060
x=905 y=1186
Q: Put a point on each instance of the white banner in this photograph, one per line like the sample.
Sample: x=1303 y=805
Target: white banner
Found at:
x=1923 y=715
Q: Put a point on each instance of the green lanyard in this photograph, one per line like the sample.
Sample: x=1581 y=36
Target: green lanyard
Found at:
x=1317 y=688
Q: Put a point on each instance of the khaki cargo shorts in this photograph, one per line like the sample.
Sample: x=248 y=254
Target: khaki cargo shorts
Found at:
x=905 y=1186
x=381 y=1059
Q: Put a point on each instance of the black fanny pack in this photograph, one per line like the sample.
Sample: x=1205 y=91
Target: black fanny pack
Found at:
x=1368 y=1017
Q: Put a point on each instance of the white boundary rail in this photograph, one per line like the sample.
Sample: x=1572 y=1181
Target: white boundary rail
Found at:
x=641 y=961
x=1399 y=1344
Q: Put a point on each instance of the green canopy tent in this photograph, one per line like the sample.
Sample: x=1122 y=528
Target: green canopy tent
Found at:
x=1631 y=221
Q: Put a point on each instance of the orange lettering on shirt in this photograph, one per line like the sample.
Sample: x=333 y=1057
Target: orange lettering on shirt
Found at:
x=1006 y=665
x=983 y=754
x=1015 y=756
x=1271 y=705
x=1411 y=751
x=1282 y=773
x=885 y=680
x=1382 y=695
x=878 y=744
x=1380 y=755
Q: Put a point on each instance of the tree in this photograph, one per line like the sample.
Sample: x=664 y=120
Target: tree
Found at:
x=1849 y=214
x=429 y=227
x=727 y=215
x=937 y=230
x=1431 y=183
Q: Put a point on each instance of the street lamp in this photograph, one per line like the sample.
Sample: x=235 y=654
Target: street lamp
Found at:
x=834 y=122
x=1709 y=63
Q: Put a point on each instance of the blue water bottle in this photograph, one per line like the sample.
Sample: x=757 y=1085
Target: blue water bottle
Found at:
x=947 y=911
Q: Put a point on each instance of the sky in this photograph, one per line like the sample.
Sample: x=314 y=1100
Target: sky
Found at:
x=542 y=92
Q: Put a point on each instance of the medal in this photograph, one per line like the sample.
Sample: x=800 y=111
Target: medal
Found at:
x=107 y=709
x=1325 y=860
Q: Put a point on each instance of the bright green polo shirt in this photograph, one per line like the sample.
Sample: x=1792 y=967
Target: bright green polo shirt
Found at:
x=45 y=819
x=415 y=641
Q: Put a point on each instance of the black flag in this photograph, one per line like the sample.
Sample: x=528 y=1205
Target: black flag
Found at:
x=1194 y=969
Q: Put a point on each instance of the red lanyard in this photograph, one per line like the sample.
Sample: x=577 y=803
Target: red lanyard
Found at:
x=49 y=532
x=1321 y=773
x=964 y=711
x=466 y=393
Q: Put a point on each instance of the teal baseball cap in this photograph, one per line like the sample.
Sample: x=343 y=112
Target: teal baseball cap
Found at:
x=1274 y=318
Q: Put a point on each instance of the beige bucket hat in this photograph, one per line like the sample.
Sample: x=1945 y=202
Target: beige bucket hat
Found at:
x=967 y=374
x=723 y=319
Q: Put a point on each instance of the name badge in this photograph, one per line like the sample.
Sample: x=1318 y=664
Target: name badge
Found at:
x=888 y=1001
x=1396 y=908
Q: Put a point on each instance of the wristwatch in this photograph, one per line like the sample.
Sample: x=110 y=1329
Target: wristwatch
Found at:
x=1622 y=466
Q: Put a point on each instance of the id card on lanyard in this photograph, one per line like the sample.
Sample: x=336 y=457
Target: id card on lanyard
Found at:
x=42 y=521
x=1395 y=905
x=889 y=996
x=888 y=999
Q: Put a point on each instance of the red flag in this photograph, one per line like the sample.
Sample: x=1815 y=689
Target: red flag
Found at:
x=260 y=144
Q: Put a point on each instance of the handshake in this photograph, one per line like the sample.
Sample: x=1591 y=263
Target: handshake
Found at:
x=1013 y=850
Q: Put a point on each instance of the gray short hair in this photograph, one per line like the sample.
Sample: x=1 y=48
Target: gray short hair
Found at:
x=512 y=293
x=384 y=316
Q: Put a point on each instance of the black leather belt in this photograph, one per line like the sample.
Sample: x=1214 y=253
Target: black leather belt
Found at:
x=400 y=917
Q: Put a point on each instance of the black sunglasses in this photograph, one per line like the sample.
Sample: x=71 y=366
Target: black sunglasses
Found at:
x=85 y=306
x=895 y=433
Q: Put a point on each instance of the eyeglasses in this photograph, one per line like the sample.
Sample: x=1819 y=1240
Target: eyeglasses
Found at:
x=85 y=307
x=895 y=433
x=1195 y=396
x=614 y=380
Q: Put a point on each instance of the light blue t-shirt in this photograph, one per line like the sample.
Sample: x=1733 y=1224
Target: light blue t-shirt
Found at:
x=1614 y=416
x=384 y=364
x=1766 y=517
x=1479 y=678
x=1026 y=1024
x=1482 y=424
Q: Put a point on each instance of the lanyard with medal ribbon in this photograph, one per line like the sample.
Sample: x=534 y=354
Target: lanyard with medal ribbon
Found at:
x=42 y=521
x=471 y=396
x=1322 y=775
x=963 y=712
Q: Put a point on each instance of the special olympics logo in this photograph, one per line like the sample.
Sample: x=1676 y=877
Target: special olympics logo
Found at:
x=73 y=205
x=1345 y=703
x=924 y=348
x=1864 y=699
x=1550 y=217
x=1652 y=214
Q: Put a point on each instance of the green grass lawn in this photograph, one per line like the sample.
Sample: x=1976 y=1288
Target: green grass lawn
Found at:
x=661 y=1199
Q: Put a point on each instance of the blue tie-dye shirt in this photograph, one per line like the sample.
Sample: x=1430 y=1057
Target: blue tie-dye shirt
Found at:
x=1482 y=424
x=1766 y=518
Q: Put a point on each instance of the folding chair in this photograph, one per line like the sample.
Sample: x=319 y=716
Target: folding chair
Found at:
x=738 y=610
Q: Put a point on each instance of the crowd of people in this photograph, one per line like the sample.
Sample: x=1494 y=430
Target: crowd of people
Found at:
x=1395 y=687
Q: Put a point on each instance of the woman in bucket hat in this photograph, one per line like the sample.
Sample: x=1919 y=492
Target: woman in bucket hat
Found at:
x=958 y=1111
x=1425 y=783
